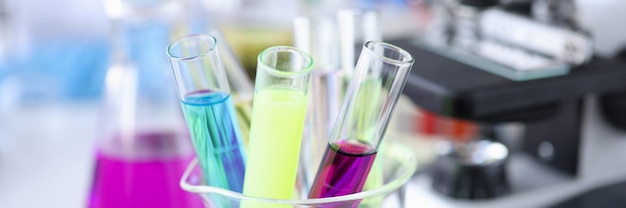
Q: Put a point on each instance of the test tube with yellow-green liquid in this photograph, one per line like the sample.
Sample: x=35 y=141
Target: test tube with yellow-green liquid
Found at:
x=278 y=112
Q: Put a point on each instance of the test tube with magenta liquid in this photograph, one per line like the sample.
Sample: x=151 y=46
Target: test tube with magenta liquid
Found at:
x=208 y=109
x=278 y=111
x=379 y=78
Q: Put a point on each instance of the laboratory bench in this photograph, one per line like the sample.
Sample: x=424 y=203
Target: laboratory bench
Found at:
x=46 y=154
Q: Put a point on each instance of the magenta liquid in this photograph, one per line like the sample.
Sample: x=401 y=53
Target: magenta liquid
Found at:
x=150 y=180
x=345 y=167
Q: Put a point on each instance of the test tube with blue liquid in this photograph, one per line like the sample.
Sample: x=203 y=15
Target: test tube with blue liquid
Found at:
x=209 y=111
x=379 y=78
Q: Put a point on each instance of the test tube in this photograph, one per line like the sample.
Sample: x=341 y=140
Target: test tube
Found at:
x=208 y=109
x=317 y=36
x=356 y=26
x=380 y=75
x=280 y=101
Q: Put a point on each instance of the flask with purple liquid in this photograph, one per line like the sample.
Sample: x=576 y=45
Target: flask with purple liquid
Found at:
x=143 y=146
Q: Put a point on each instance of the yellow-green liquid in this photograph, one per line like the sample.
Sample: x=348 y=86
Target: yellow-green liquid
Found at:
x=274 y=145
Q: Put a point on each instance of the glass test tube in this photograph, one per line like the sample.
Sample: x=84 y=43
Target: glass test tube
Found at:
x=356 y=26
x=317 y=35
x=241 y=87
x=209 y=111
x=379 y=78
x=278 y=112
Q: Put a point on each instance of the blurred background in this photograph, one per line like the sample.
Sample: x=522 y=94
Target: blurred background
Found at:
x=57 y=60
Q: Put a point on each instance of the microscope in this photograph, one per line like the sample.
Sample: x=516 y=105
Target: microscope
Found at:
x=525 y=63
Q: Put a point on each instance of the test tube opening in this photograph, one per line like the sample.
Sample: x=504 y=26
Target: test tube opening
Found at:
x=192 y=47
x=389 y=53
x=283 y=61
x=197 y=65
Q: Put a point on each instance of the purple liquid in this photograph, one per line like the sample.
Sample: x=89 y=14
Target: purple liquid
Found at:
x=151 y=180
x=344 y=169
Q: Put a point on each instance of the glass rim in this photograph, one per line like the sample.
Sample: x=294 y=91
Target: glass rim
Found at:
x=388 y=187
x=271 y=70
x=367 y=48
x=200 y=55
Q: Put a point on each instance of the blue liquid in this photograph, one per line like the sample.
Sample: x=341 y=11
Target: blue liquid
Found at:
x=216 y=138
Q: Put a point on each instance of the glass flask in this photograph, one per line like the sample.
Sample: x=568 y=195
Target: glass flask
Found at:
x=142 y=145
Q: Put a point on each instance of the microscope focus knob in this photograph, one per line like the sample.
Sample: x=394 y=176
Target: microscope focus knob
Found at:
x=471 y=170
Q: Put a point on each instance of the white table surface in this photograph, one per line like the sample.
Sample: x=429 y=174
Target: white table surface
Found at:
x=45 y=156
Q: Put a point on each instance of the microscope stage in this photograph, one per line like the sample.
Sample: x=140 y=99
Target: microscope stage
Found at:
x=448 y=87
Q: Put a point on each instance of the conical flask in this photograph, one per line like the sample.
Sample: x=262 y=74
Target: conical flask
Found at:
x=143 y=145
